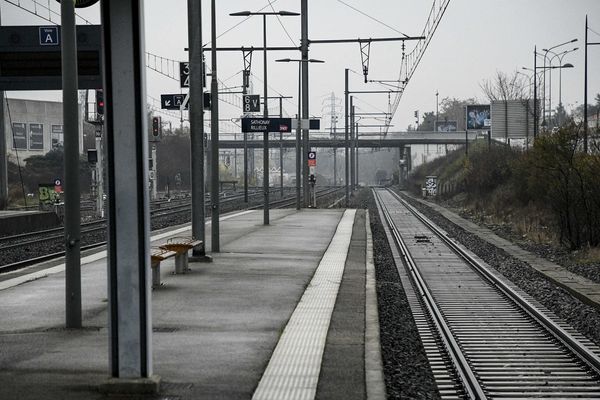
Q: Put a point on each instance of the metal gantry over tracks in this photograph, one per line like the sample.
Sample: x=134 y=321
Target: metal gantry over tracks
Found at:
x=495 y=340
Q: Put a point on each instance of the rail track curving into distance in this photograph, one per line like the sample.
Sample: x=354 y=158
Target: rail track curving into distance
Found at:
x=485 y=338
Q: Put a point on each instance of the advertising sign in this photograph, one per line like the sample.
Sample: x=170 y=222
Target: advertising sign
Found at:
x=58 y=139
x=445 y=126
x=478 y=117
x=36 y=137
x=19 y=135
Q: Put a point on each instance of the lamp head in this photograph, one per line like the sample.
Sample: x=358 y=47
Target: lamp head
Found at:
x=241 y=14
x=288 y=13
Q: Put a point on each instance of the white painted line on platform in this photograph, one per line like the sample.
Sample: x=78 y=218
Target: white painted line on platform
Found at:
x=293 y=370
x=373 y=361
x=100 y=255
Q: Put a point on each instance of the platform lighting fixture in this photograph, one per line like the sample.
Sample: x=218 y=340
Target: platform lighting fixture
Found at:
x=298 y=153
x=266 y=108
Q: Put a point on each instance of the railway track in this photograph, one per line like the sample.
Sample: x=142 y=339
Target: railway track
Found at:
x=484 y=338
x=54 y=238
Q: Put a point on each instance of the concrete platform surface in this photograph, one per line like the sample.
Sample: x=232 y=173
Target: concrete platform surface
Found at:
x=214 y=328
x=15 y=222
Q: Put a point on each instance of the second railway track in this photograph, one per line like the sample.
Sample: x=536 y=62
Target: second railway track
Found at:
x=485 y=338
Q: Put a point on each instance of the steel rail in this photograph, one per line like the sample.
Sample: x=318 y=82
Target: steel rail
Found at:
x=471 y=384
x=565 y=338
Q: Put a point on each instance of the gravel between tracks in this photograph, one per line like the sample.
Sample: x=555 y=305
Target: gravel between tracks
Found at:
x=584 y=318
x=406 y=369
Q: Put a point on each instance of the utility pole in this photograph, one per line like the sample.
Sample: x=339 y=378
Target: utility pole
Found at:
x=197 y=128
x=305 y=104
x=71 y=165
x=214 y=136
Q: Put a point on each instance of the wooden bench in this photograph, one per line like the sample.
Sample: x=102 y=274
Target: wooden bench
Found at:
x=181 y=246
x=156 y=256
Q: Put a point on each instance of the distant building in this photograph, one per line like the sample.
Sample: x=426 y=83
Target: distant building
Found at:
x=34 y=127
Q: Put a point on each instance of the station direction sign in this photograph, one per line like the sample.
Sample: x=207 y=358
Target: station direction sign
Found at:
x=176 y=100
x=171 y=101
x=30 y=57
x=266 y=125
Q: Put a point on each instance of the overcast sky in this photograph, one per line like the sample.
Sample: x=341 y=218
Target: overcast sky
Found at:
x=475 y=39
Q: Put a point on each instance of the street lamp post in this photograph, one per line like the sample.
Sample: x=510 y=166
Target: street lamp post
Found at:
x=567 y=65
x=560 y=57
x=545 y=57
x=299 y=127
x=551 y=59
x=266 y=110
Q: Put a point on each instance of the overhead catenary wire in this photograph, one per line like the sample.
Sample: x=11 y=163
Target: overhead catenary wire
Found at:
x=370 y=17
x=281 y=23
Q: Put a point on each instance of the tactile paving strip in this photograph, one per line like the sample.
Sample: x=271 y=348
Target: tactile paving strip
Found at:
x=293 y=371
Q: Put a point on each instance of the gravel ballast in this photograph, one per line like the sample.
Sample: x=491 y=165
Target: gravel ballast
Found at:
x=406 y=369
x=584 y=318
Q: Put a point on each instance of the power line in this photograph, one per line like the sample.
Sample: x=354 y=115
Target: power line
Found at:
x=241 y=22
x=281 y=23
x=370 y=17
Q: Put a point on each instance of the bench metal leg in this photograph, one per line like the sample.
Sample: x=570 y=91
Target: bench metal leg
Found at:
x=155 y=275
x=181 y=263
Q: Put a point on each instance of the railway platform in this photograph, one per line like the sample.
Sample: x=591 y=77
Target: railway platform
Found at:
x=285 y=311
x=15 y=222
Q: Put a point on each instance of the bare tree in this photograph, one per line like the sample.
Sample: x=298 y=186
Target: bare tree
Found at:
x=505 y=87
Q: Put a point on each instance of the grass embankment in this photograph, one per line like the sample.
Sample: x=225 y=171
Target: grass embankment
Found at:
x=548 y=194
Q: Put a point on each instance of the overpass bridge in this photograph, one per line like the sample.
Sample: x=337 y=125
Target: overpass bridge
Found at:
x=320 y=140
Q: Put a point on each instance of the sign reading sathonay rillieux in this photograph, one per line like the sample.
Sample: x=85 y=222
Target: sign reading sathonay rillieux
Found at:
x=266 y=125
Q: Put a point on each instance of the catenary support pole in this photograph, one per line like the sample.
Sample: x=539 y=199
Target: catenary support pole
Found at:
x=71 y=165
x=346 y=133
x=356 y=149
x=3 y=157
x=585 y=90
x=352 y=160
x=266 y=133
x=129 y=280
x=214 y=137
x=281 y=149
x=196 y=105
x=535 y=94
x=305 y=104
x=244 y=92
x=298 y=141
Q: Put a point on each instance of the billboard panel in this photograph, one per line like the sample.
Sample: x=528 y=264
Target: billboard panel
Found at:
x=57 y=136
x=512 y=119
x=478 y=117
x=36 y=137
x=445 y=126
x=19 y=131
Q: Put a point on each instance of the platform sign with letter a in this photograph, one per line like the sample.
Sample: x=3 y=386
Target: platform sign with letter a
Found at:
x=312 y=158
x=49 y=36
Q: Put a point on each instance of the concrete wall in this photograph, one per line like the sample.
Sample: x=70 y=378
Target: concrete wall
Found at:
x=33 y=117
